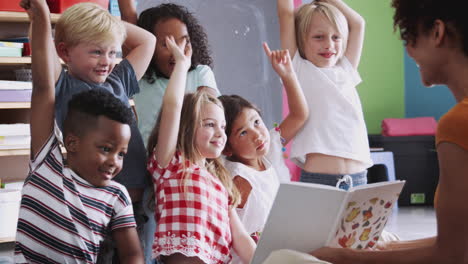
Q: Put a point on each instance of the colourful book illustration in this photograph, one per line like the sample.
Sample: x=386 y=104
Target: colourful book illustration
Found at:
x=305 y=217
x=363 y=220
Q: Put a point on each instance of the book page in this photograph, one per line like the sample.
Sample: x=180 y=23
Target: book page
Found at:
x=302 y=217
x=364 y=215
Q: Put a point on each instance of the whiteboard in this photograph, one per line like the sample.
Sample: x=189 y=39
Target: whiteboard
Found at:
x=236 y=30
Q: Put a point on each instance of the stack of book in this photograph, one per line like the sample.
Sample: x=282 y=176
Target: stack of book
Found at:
x=15 y=91
x=15 y=136
x=11 y=49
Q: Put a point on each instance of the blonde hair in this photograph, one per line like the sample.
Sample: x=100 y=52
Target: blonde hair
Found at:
x=190 y=119
x=88 y=23
x=303 y=19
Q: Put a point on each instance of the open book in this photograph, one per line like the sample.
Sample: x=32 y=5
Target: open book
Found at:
x=306 y=216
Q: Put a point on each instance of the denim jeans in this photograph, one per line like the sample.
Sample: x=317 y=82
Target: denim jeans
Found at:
x=345 y=181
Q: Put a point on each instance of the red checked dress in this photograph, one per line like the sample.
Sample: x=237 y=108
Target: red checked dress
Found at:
x=192 y=219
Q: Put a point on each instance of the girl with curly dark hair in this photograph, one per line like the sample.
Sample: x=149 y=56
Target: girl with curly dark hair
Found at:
x=435 y=35
x=163 y=21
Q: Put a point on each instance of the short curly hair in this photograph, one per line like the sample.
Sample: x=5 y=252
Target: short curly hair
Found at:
x=85 y=107
x=201 y=54
x=414 y=17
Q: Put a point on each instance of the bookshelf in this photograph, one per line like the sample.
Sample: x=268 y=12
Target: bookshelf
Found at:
x=14 y=152
x=22 y=17
x=15 y=105
x=14 y=162
x=7 y=239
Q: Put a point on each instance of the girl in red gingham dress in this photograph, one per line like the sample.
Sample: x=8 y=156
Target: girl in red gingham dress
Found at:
x=195 y=198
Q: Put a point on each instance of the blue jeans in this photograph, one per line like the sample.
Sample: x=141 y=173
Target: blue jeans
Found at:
x=150 y=226
x=346 y=181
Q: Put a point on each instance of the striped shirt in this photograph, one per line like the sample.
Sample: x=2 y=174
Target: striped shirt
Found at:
x=63 y=218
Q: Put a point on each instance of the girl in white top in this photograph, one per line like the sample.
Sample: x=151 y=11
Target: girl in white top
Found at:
x=325 y=39
x=254 y=155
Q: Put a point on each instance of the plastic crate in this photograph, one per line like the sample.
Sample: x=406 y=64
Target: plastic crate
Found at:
x=11 y=5
x=59 y=6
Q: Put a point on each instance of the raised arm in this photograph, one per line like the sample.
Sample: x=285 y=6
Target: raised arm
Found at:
x=43 y=73
x=128 y=11
x=298 y=109
x=57 y=65
x=140 y=45
x=287 y=26
x=242 y=243
x=172 y=102
x=356 y=25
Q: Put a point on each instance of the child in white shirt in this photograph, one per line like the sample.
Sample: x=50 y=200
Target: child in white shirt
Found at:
x=325 y=40
x=254 y=154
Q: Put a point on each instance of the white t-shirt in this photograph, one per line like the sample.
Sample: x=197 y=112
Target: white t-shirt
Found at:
x=149 y=101
x=264 y=185
x=336 y=125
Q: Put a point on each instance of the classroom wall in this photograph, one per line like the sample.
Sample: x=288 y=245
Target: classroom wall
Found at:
x=392 y=84
x=381 y=68
x=423 y=101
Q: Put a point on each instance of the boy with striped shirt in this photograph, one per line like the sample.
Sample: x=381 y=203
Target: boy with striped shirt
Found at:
x=69 y=205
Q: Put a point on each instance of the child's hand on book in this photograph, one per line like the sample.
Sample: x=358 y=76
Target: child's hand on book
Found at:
x=333 y=255
x=182 y=52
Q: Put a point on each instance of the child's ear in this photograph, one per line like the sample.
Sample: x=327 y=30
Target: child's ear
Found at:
x=71 y=143
x=63 y=51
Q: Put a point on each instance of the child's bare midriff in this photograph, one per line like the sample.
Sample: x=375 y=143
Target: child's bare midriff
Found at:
x=320 y=163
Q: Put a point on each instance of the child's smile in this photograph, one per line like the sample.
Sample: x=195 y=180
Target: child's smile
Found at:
x=210 y=137
x=91 y=63
x=323 y=43
x=97 y=156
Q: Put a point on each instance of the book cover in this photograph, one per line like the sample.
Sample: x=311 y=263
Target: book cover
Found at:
x=306 y=216
x=11 y=44
x=15 y=85
x=15 y=95
x=14 y=136
x=10 y=52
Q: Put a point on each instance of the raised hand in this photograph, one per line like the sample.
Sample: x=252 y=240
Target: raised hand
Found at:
x=280 y=60
x=35 y=7
x=182 y=53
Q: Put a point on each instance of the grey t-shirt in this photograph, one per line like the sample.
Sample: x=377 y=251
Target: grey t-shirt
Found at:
x=123 y=84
